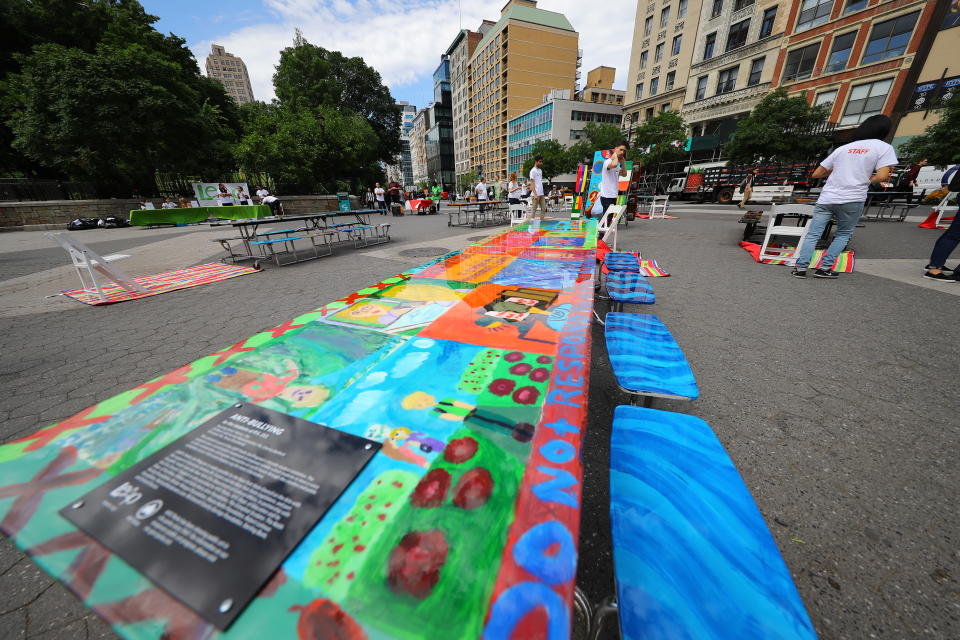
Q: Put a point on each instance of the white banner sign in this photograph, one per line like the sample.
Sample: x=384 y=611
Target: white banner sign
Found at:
x=208 y=193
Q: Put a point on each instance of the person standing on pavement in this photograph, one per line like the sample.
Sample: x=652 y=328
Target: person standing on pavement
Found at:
x=369 y=199
x=537 y=194
x=936 y=269
x=481 y=192
x=378 y=193
x=908 y=179
x=746 y=186
x=513 y=189
x=614 y=168
x=849 y=170
x=394 y=192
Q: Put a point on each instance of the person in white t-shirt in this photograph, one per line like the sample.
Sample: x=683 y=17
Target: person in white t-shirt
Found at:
x=614 y=168
x=849 y=171
x=537 y=195
x=168 y=204
x=224 y=198
x=378 y=193
x=481 y=191
x=262 y=193
x=513 y=189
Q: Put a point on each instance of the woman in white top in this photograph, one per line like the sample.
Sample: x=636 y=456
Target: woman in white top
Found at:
x=224 y=199
x=849 y=170
x=513 y=189
x=242 y=197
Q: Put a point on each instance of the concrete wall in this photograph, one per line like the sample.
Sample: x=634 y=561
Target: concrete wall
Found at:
x=54 y=214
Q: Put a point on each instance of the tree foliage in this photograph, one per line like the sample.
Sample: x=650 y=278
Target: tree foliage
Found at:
x=653 y=141
x=309 y=76
x=779 y=129
x=556 y=159
x=940 y=142
x=597 y=136
x=92 y=91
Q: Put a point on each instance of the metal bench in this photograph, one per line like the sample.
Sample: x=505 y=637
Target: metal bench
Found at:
x=692 y=555
x=646 y=359
x=268 y=248
x=629 y=288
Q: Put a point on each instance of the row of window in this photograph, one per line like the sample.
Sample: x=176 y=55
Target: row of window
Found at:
x=888 y=39
x=671 y=79
x=658 y=51
x=737 y=34
x=591 y=116
x=664 y=17
x=727 y=79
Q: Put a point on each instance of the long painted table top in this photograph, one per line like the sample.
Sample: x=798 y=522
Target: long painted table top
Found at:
x=471 y=369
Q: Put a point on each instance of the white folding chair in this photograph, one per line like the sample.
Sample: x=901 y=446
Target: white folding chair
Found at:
x=789 y=230
x=518 y=214
x=87 y=260
x=944 y=211
x=658 y=207
x=607 y=225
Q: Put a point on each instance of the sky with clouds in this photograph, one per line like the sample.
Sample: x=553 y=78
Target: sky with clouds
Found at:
x=402 y=39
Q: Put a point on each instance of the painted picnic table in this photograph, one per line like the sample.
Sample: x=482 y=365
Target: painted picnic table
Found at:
x=472 y=370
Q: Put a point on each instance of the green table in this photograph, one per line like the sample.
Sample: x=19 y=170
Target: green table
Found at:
x=142 y=217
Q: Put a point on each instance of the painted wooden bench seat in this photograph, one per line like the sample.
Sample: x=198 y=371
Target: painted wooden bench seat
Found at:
x=622 y=261
x=629 y=288
x=692 y=555
x=646 y=359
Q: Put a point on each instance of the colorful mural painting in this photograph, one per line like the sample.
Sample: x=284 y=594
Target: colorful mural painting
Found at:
x=471 y=370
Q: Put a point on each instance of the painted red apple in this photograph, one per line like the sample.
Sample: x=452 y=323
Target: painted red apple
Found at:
x=432 y=489
x=473 y=489
x=415 y=563
x=460 y=450
x=324 y=620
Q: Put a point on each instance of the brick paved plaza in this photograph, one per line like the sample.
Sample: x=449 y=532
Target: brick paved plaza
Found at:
x=835 y=399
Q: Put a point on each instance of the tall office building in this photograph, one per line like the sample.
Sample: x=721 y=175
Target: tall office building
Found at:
x=861 y=58
x=439 y=135
x=231 y=72
x=664 y=39
x=402 y=171
x=459 y=53
x=418 y=146
x=737 y=46
x=599 y=87
x=522 y=57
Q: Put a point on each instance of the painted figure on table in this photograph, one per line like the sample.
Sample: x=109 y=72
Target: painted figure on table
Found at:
x=258 y=386
x=523 y=309
x=459 y=411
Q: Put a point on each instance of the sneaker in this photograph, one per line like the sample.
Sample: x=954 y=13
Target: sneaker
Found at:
x=799 y=273
x=823 y=273
x=943 y=277
x=944 y=269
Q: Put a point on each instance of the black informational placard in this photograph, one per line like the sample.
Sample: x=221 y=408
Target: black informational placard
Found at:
x=212 y=516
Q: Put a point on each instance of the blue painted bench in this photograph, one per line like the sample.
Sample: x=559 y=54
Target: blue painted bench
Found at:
x=275 y=232
x=646 y=359
x=692 y=555
x=629 y=288
x=622 y=261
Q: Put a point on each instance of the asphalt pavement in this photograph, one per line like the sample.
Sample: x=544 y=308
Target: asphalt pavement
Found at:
x=834 y=398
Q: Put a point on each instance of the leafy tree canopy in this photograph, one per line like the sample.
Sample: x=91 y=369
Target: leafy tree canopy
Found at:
x=779 y=129
x=597 y=136
x=653 y=140
x=556 y=159
x=940 y=142
x=309 y=76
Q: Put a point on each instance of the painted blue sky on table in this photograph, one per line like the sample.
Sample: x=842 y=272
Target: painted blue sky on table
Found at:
x=402 y=39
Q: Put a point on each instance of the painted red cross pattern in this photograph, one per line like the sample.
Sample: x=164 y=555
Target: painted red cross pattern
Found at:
x=279 y=330
x=233 y=350
x=43 y=437
x=149 y=388
x=86 y=567
x=30 y=493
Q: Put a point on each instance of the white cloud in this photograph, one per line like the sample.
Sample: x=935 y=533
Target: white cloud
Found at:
x=403 y=39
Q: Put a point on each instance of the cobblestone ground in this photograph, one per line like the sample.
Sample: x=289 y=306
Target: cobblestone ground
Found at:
x=833 y=398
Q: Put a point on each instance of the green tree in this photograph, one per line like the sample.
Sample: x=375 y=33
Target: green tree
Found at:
x=597 y=136
x=556 y=159
x=653 y=141
x=309 y=76
x=940 y=142
x=779 y=129
x=304 y=148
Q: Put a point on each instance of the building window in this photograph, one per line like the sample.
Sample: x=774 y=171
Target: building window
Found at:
x=639 y=92
x=658 y=53
x=766 y=26
x=701 y=88
x=738 y=34
x=648 y=26
x=681 y=9
x=800 y=63
x=708 y=45
x=865 y=100
x=650 y=113
x=677 y=42
x=740 y=4
x=727 y=80
x=643 y=59
x=813 y=12
x=671 y=78
x=825 y=97
x=854 y=5
x=664 y=17
x=890 y=38
x=840 y=53
x=664 y=107
x=717 y=8
x=654 y=85
x=756 y=69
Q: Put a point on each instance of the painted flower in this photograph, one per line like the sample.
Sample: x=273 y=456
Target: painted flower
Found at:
x=520 y=369
x=501 y=386
x=539 y=374
x=544 y=360
x=513 y=356
x=526 y=395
